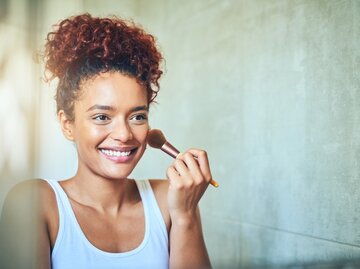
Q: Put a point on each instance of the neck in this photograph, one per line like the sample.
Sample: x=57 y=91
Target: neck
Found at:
x=105 y=195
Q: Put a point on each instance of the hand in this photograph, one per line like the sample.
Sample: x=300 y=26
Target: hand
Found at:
x=189 y=176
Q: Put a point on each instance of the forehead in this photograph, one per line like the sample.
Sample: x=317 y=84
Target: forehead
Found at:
x=112 y=88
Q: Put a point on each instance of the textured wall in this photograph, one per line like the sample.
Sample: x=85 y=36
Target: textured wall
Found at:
x=271 y=90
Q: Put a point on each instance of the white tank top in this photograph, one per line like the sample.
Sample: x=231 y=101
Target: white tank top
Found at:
x=72 y=250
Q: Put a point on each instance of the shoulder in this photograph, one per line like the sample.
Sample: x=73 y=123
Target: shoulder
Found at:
x=22 y=209
x=160 y=188
x=30 y=190
x=30 y=196
x=25 y=192
x=23 y=225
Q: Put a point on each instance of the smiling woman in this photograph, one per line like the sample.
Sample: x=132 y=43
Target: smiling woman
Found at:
x=108 y=71
x=110 y=125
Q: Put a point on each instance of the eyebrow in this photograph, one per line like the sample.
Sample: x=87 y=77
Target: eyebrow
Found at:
x=111 y=108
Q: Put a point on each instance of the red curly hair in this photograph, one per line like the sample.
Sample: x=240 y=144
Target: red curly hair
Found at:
x=83 y=46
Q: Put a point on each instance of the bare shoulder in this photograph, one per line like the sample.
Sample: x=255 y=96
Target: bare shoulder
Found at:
x=25 y=192
x=33 y=189
x=160 y=188
x=33 y=194
x=23 y=226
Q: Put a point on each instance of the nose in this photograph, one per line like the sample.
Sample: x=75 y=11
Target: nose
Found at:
x=122 y=132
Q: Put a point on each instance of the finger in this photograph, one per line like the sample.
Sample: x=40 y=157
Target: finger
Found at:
x=175 y=180
x=171 y=173
x=193 y=167
x=181 y=168
x=203 y=161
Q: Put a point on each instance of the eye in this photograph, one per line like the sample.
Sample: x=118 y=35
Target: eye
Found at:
x=139 y=118
x=101 y=118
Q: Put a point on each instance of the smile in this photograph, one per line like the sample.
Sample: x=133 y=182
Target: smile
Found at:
x=124 y=155
x=115 y=153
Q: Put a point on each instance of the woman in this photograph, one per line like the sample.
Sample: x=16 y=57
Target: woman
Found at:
x=108 y=72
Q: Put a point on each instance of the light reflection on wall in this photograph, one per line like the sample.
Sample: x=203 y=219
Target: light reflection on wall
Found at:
x=18 y=95
x=13 y=146
x=15 y=103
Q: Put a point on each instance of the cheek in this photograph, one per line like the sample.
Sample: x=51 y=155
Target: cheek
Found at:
x=97 y=131
x=141 y=134
x=88 y=132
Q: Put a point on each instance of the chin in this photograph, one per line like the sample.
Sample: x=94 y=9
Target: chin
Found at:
x=121 y=172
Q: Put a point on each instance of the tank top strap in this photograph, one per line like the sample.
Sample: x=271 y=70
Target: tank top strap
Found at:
x=61 y=201
x=150 y=203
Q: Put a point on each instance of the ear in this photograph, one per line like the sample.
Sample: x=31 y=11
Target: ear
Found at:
x=67 y=125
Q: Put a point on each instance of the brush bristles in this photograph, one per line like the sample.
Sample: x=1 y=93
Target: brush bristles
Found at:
x=156 y=138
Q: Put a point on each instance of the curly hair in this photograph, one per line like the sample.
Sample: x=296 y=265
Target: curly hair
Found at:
x=83 y=46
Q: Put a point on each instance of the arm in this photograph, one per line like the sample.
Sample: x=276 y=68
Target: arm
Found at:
x=24 y=241
x=188 y=180
x=187 y=246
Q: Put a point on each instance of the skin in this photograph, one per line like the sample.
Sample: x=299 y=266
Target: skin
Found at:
x=111 y=113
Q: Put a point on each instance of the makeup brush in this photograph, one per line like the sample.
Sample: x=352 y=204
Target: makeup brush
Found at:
x=156 y=139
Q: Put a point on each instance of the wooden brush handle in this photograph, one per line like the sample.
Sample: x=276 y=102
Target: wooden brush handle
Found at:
x=214 y=183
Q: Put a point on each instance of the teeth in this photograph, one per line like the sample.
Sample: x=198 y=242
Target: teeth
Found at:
x=115 y=152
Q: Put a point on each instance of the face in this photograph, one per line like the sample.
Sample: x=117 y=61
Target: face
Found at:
x=110 y=126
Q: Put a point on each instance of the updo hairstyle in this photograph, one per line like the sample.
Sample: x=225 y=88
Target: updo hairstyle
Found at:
x=82 y=46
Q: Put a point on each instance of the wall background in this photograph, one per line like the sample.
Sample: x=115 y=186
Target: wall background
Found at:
x=269 y=88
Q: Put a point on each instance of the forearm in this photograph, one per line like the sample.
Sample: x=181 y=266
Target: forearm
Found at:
x=187 y=246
